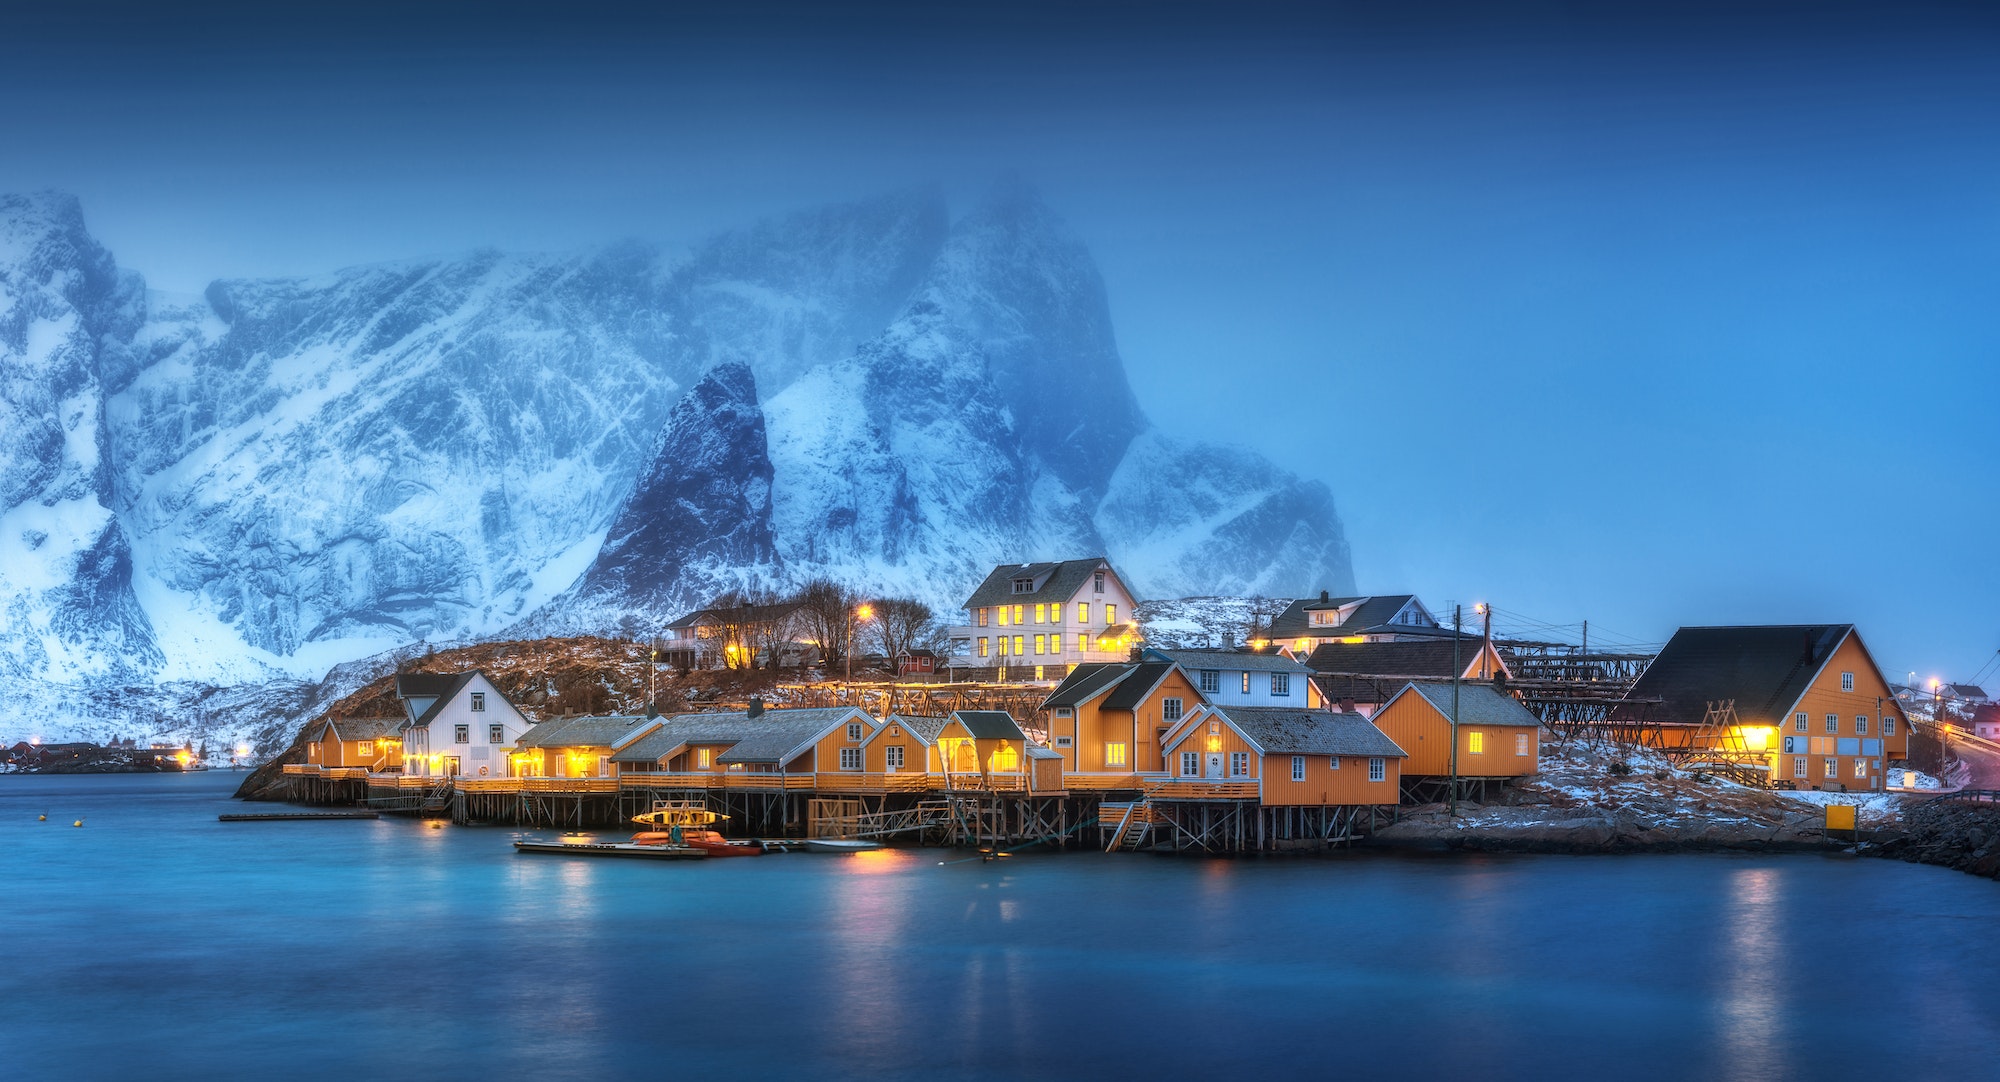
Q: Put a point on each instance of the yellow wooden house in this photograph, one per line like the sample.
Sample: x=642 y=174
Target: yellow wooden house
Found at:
x=1106 y=720
x=1497 y=736
x=368 y=744
x=1281 y=757
x=575 y=747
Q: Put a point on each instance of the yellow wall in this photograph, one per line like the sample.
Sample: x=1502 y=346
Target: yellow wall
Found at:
x=918 y=756
x=1225 y=741
x=1870 y=698
x=336 y=752
x=1425 y=733
x=825 y=754
x=1138 y=729
x=1325 y=785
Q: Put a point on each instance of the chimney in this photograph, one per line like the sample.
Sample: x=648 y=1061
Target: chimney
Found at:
x=1323 y=596
x=756 y=707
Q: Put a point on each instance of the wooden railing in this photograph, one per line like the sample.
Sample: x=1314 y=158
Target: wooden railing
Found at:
x=1099 y=782
x=668 y=779
x=315 y=770
x=536 y=785
x=1198 y=789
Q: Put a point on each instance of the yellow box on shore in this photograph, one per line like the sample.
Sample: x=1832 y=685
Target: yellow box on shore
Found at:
x=1840 y=817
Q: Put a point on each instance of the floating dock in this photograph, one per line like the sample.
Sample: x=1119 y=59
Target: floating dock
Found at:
x=612 y=849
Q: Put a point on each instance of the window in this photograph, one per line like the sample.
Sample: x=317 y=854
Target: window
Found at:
x=982 y=646
x=1020 y=611
x=1832 y=724
x=1888 y=725
x=1798 y=766
x=1097 y=583
x=1333 y=763
x=1063 y=711
x=982 y=617
x=1211 y=681
x=1833 y=768
x=1041 y=614
x=1024 y=586
x=1475 y=742
x=1055 y=644
x=1860 y=768
x=479 y=700
x=1281 y=684
x=1246 y=683
x=1239 y=764
x=1019 y=642
x=1521 y=745
x=1860 y=725
x=461 y=734
x=894 y=752
x=1298 y=768
x=1041 y=644
x=1062 y=741
x=1378 y=769
x=367 y=748
x=1083 y=612
x=1114 y=755
x=1190 y=764
x=704 y=758
x=1003 y=616
x=1170 y=710
x=1847 y=681
x=496 y=734
x=854 y=731
x=850 y=758
x=1798 y=723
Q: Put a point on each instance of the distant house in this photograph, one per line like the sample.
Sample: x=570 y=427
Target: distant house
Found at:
x=1051 y=616
x=1986 y=721
x=1362 y=676
x=1806 y=700
x=577 y=747
x=1292 y=758
x=456 y=723
x=917 y=663
x=372 y=743
x=728 y=635
x=1497 y=736
x=1229 y=678
x=1967 y=694
x=1315 y=622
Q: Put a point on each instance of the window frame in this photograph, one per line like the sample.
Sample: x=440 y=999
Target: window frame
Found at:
x=1860 y=725
x=1239 y=764
x=1833 y=725
x=1847 y=681
x=1172 y=708
x=1190 y=764
x=1281 y=685
x=1116 y=755
x=1333 y=762
x=496 y=733
x=1298 y=768
x=892 y=756
x=1378 y=768
x=850 y=758
x=1475 y=742
x=461 y=733
x=1522 y=746
x=478 y=701
x=1209 y=681
x=1801 y=722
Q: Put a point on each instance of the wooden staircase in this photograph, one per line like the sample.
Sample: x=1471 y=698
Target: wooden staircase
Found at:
x=1134 y=824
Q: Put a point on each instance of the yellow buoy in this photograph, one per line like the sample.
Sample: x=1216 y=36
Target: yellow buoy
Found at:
x=43 y=819
x=78 y=823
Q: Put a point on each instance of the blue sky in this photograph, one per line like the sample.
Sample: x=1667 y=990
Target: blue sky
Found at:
x=1641 y=314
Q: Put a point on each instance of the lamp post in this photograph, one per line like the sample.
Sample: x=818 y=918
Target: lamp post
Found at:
x=861 y=615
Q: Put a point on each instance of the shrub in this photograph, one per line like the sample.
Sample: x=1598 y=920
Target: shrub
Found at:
x=1621 y=768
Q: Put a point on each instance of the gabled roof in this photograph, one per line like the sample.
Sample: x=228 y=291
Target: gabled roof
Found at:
x=1036 y=751
x=1418 y=658
x=1478 y=703
x=1236 y=660
x=450 y=684
x=924 y=727
x=1139 y=683
x=1058 y=581
x=359 y=728
x=1277 y=731
x=1371 y=612
x=1965 y=691
x=779 y=736
x=1087 y=682
x=605 y=731
x=990 y=724
x=1764 y=669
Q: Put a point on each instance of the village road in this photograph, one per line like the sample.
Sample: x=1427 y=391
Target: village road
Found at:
x=1983 y=760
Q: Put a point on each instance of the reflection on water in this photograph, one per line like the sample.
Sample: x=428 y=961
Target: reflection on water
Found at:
x=161 y=942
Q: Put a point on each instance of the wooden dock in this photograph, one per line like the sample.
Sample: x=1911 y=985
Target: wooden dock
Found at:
x=612 y=849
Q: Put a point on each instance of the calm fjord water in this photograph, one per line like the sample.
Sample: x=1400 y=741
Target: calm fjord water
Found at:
x=157 y=942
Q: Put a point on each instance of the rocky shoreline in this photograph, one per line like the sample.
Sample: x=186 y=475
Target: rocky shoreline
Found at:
x=1598 y=830
x=1948 y=833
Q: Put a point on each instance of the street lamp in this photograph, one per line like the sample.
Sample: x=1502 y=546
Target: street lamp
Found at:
x=862 y=614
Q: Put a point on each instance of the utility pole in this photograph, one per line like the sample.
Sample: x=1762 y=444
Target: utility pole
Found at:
x=1586 y=636
x=1457 y=620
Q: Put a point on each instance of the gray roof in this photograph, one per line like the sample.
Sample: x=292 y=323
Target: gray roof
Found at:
x=602 y=731
x=732 y=614
x=924 y=725
x=1311 y=732
x=1239 y=660
x=1139 y=683
x=445 y=686
x=1478 y=704
x=360 y=728
x=990 y=724
x=1036 y=751
x=775 y=736
x=1373 y=612
x=1763 y=669
x=1086 y=682
x=1059 y=580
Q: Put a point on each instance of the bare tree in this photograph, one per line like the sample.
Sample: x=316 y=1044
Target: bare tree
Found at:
x=756 y=622
x=826 y=616
x=899 y=623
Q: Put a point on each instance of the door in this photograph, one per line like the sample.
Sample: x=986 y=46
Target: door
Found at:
x=451 y=766
x=1214 y=771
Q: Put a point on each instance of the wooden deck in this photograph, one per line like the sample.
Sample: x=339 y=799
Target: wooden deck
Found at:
x=1196 y=789
x=336 y=773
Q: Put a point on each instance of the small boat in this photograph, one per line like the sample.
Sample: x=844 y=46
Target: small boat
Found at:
x=715 y=845
x=612 y=849
x=839 y=845
x=668 y=814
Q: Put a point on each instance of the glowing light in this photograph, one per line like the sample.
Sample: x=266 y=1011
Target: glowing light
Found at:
x=1479 y=609
x=243 y=751
x=1215 y=743
x=865 y=612
x=1756 y=737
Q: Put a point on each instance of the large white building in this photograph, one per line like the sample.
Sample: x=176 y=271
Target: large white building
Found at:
x=1246 y=678
x=458 y=723
x=1047 y=616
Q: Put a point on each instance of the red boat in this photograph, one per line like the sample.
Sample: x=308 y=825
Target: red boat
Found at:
x=716 y=845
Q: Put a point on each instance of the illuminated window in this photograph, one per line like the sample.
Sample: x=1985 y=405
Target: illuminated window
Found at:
x=1041 y=644
x=1298 y=768
x=1798 y=766
x=1833 y=768
x=1211 y=681
x=1190 y=764
x=1860 y=768
x=1521 y=746
x=1110 y=613
x=895 y=756
x=850 y=758
x=1114 y=755
x=1798 y=723
x=1041 y=614
x=367 y=747
x=1281 y=684
x=704 y=758
x=1055 y=644
x=1475 y=742
x=1847 y=681
x=461 y=734
x=1083 y=612
x=479 y=700
x=496 y=734
x=1832 y=724
x=1239 y=764
x=1003 y=616
x=854 y=731
x=1019 y=642
x=1170 y=710
x=1083 y=641
x=982 y=646
x=1020 y=611
x=982 y=617
x=1246 y=683
x=1378 y=769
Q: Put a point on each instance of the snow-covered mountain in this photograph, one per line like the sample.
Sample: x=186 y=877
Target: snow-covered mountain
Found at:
x=279 y=476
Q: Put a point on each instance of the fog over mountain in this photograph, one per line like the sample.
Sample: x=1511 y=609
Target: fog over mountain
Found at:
x=280 y=475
